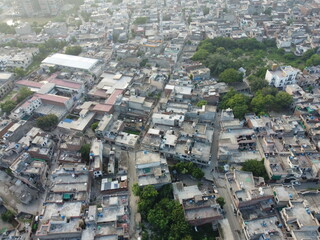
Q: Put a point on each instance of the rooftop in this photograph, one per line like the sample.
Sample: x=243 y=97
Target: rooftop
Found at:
x=70 y=61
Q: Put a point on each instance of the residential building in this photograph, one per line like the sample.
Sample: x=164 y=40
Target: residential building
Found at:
x=280 y=77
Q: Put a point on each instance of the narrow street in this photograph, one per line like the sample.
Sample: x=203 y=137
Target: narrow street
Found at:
x=133 y=200
x=213 y=174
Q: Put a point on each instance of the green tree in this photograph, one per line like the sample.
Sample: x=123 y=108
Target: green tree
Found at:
x=8 y=106
x=85 y=152
x=7 y=216
x=47 y=122
x=201 y=103
x=218 y=63
x=221 y=201
x=85 y=15
x=136 y=189
x=143 y=63
x=23 y=93
x=94 y=126
x=200 y=55
x=140 y=20
x=206 y=10
x=189 y=20
x=230 y=75
x=257 y=83
x=19 y=72
x=197 y=173
x=314 y=60
x=256 y=167
x=283 y=100
x=6 y=29
x=73 y=50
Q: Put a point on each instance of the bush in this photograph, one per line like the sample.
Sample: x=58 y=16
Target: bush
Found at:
x=94 y=126
x=85 y=151
x=189 y=168
x=7 y=216
x=221 y=201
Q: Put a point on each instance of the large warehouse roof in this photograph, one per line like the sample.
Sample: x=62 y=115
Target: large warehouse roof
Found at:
x=70 y=61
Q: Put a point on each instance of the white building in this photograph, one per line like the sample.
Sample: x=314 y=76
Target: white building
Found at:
x=282 y=76
x=27 y=108
x=169 y=120
x=73 y=63
x=96 y=157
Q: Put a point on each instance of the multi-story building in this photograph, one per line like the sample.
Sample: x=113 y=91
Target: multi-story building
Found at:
x=6 y=83
x=31 y=8
x=281 y=76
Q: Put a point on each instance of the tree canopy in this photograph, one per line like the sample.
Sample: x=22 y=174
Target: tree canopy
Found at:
x=23 y=93
x=230 y=75
x=189 y=168
x=8 y=106
x=85 y=151
x=164 y=215
x=265 y=100
x=47 y=122
x=73 y=50
x=140 y=20
x=256 y=167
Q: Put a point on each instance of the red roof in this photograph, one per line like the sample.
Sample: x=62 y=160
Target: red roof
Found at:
x=52 y=98
x=113 y=97
x=100 y=93
x=28 y=83
x=28 y=102
x=67 y=84
x=102 y=108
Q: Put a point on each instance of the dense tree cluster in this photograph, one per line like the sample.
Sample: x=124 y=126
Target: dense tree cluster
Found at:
x=8 y=216
x=230 y=75
x=265 y=100
x=140 y=20
x=73 y=50
x=9 y=105
x=47 y=122
x=221 y=53
x=23 y=93
x=189 y=168
x=256 y=167
x=6 y=29
x=164 y=215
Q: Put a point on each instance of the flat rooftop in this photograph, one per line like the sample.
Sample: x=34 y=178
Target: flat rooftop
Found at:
x=70 y=61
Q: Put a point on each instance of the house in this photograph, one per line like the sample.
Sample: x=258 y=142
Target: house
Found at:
x=152 y=169
x=199 y=208
x=282 y=76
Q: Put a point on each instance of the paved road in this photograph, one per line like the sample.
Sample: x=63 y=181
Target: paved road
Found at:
x=133 y=200
x=233 y=221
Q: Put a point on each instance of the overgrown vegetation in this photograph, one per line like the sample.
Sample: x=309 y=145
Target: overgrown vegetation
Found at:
x=85 y=151
x=73 y=50
x=7 y=216
x=163 y=214
x=221 y=53
x=140 y=20
x=6 y=29
x=189 y=168
x=256 y=167
x=9 y=105
x=265 y=100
